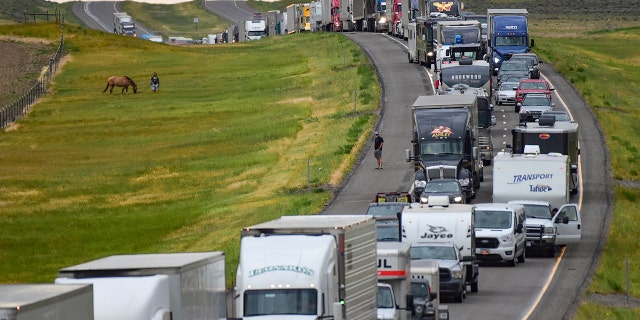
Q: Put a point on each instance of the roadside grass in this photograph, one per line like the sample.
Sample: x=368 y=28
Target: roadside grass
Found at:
x=176 y=19
x=223 y=145
x=608 y=80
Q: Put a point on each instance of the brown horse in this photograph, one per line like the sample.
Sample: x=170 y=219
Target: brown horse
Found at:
x=123 y=82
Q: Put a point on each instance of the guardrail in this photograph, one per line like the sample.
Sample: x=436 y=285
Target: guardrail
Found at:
x=21 y=106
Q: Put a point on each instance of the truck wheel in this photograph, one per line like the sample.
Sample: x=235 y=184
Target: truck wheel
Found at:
x=409 y=56
x=521 y=257
x=474 y=286
x=551 y=252
x=514 y=261
x=460 y=296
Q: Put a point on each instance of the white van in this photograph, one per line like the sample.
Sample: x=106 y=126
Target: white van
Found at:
x=500 y=232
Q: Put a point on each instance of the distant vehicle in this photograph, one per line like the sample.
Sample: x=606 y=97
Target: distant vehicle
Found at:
x=123 y=24
x=508 y=33
x=533 y=105
x=444 y=187
x=513 y=68
x=505 y=92
x=527 y=86
x=533 y=60
x=385 y=209
x=558 y=115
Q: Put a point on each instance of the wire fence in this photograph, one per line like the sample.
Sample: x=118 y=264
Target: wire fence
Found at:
x=20 y=107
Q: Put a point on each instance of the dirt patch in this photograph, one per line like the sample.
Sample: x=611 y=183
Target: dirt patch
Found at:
x=23 y=61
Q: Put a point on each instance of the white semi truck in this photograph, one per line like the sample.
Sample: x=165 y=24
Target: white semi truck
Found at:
x=123 y=24
x=46 y=301
x=440 y=221
x=394 y=300
x=178 y=286
x=308 y=267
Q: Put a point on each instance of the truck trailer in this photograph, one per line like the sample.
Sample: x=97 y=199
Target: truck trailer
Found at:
x=180 y=286
x=46 y=301
x=314 y=265
x=394 y=264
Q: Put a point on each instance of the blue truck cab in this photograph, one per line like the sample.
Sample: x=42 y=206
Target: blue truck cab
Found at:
x=508 y=34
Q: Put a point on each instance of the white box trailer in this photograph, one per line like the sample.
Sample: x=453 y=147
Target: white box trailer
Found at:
x=531 y=176
x=46 y=301
x=315 y=265
x=183 y=286
x=394 y=262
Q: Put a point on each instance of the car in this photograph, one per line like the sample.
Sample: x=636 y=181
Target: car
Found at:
x=558 y=115
x=532 y=86
x=444 y=187
x=379 y=209
x=505 y=92
x=532 y=59
x=514 y=68
x=533 y=105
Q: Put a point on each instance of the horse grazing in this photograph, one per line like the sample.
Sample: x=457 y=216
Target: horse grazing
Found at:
x=123 y=81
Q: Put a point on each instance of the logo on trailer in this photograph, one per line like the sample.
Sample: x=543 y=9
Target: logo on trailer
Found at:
x=437 y=232
x=544 y=136
x=540 y=188
x=291 y=268
x=443 y=6
x=441 y=132
x=518 y=178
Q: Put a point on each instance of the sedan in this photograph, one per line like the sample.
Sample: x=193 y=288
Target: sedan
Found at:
x=533 y=105
x=505 y=93
x=513 y=68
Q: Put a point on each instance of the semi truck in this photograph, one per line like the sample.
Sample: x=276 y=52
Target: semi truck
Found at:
x=410 y=10
x=394 y=299
x=468 y=76
x=425 y=288
x=381 y=19
x=425 y=45
x=46 y=301
x=123 y=24
x=508 y=33
x=256 y=27
x=445 y=133
x=457 y=39
x=550 y=136
x=178 y=286
x=322 y=266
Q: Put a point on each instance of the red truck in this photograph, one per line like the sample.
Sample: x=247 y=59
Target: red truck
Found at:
x=532 y=86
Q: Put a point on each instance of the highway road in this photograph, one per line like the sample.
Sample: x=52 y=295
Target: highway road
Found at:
x=541 y=288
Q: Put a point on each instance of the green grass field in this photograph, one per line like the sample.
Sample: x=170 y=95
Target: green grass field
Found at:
x=224 y=144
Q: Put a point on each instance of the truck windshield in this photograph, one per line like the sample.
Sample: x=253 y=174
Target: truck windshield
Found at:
x=511 y=41
x=458 y=34
x=445 y=147
x=419 y=289
x=435 y=252
x=283 y=301
x=385 y=298
x=493 y=219
x=537 y=211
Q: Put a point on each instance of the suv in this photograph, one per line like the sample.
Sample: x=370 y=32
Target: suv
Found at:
x=453 y=269
x=527 y=86
x=532 y=59
x=500 y=233
x=546 y=229
x=533 y=105
x=514 y=68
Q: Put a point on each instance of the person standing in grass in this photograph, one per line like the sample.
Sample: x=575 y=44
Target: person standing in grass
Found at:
x=155 y=82
x=377 y=149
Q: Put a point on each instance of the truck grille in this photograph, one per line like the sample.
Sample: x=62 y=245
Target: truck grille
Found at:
x=487 y=243
x=445 y=275
x=534 y=231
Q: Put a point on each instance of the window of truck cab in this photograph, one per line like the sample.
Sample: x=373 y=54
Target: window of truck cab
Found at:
x=280 y=301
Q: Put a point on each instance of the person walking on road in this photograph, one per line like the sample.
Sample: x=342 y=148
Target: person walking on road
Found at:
x=377 y=152
x=155 y=82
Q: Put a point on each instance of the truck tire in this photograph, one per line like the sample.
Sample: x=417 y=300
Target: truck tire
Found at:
x=551 y=252
x=459 y=296
x=409 y=56
x=514 y=261
x=474 y=286
x=521 y=257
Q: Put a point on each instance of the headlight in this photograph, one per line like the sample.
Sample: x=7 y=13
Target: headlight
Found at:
x=496 y=60
x=464 y=182
x=456 y=274
x=550 y=231
x=430 y=53
x=424 y=200
x=507 y=238
x=383 y=20
x=457 y=199
x=419 y=184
